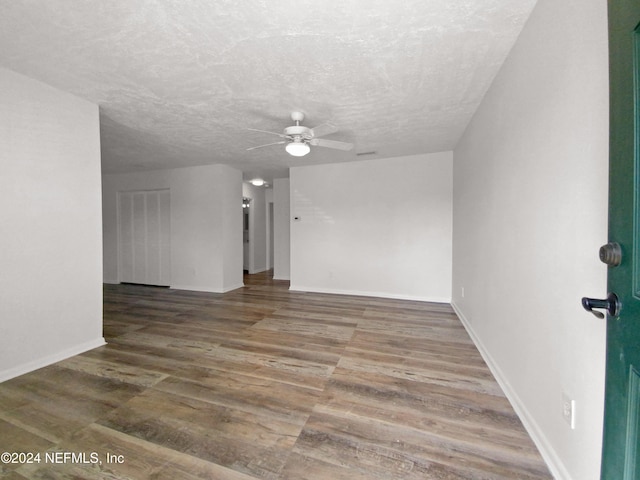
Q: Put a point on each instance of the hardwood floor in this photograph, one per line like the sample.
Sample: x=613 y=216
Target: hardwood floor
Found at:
x=263 y=383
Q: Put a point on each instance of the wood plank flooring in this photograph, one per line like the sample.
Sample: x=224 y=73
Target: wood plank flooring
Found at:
x=264 y=383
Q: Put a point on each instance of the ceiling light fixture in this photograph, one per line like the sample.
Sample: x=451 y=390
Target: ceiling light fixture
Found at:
x=258 y=182
x=297 y=149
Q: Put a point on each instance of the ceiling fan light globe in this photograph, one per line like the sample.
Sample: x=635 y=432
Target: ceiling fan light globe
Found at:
x=297 y=149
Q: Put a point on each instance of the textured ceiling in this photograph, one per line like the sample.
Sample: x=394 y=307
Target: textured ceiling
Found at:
x=178 y=82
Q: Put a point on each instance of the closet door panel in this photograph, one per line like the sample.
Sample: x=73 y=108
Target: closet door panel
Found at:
x=139 y=238
x=153 y=238
x=144 y=237
x=164 y=198
x=125 y=237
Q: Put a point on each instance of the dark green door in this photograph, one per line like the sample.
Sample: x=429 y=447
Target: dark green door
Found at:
x=621 y=450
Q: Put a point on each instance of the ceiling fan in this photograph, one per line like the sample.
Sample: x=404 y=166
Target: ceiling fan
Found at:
x=299 y=139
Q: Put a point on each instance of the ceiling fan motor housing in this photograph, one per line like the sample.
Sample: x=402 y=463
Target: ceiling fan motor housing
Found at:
x=299 y=131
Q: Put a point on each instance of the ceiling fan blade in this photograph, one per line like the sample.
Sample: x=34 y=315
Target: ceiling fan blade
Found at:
x=331 y=144
x=282 y=135
x=324 y=129
x=267 y=145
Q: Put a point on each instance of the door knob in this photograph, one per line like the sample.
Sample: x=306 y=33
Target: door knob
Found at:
x=611 y=254
x=611 y=304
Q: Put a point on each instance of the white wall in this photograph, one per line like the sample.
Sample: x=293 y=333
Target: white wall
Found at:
x=206 y=224
x=50 y=241
x=376 y=227
x=530 y=213
x=281 y=234
x=228 y=192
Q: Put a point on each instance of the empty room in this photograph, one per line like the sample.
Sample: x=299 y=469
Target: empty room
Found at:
x=318 y=240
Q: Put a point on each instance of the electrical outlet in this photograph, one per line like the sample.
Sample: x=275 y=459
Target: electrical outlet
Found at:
x=462 y=292
x=569 y=410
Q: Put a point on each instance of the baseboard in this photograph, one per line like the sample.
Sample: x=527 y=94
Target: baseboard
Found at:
x=194 y=288
x=207 y=289
x=360 y=293
x=50 y=359
x=233 y=287
x=549 y=455
x=257 y=270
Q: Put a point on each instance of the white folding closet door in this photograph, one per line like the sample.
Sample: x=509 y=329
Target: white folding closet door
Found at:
x=165 y=237
x=125 y=237
x=144 y=240
x=139 y=240
x=152 y=244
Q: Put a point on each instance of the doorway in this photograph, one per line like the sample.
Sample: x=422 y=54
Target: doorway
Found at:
x=246 y=222
x=270 y=226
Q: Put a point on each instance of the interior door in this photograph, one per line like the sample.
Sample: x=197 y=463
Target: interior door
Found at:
x=621 y=453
